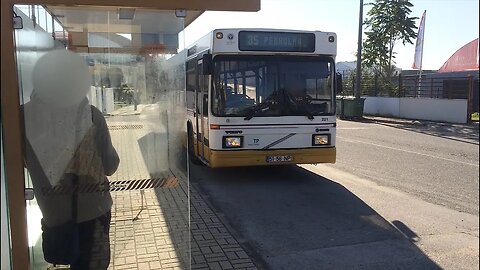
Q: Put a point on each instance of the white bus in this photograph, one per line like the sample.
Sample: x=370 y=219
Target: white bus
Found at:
x=261 y=97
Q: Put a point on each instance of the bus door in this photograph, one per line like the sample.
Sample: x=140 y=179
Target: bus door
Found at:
x=199 y=112
x=205 y=123
x=202 y=113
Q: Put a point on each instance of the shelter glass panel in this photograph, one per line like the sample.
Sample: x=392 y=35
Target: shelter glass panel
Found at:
x=103 y=101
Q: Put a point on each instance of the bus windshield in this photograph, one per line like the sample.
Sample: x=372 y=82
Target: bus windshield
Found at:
x=252 y=86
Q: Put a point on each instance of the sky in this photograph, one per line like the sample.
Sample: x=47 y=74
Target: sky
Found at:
x=449 y=25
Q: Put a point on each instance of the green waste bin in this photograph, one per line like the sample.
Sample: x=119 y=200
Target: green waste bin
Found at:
x=351 y=107
x=339 y=106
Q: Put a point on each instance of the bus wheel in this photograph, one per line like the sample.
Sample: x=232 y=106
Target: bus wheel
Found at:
x=191 y=153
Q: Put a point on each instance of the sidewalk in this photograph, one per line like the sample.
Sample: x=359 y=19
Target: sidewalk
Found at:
x=468 y=133
x=149 y=227
x=391 y=120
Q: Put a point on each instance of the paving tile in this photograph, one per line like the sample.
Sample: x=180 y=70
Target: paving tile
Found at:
x=159 y=238
x=214 y=266
x=226 y=265
x=126 y=267
x=155 y=265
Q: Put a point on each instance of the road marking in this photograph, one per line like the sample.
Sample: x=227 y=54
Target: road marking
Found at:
x=351 y=128
x=408 y=151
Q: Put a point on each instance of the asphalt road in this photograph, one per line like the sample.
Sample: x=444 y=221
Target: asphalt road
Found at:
x=400 y=196
x=437 y=163
x=291 y=218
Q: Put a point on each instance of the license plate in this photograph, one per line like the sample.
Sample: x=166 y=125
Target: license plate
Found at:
x=279 y=158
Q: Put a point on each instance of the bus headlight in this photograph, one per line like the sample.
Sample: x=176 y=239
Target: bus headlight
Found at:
x=232 y=142
x=321 y=139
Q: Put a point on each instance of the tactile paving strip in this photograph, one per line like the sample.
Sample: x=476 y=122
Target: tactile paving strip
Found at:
x=122 y=127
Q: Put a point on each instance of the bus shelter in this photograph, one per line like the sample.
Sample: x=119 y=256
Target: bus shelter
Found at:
x=139 y=90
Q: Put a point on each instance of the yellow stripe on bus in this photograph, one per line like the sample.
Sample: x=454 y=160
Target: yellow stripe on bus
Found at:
x=259 y=157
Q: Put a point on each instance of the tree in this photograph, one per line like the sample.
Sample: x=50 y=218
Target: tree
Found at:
x=387 y=23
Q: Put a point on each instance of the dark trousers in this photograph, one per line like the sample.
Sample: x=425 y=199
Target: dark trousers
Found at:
x=94 y=244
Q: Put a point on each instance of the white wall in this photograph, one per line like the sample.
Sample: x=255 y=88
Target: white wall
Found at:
x=443 y=110
x=108 y=100
x=382 y=106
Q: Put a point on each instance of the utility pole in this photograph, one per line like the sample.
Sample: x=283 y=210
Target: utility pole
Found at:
x=359 y=52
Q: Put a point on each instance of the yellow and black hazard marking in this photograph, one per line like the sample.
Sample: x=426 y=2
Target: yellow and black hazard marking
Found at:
x=123 y=185
x=143 y=184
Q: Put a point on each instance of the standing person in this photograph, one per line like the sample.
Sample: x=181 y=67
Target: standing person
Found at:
x=69 y=154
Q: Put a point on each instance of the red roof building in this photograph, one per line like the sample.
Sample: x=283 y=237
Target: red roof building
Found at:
x=466 y=58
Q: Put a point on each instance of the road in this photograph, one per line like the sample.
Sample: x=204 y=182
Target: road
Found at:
x=399 y=197
x=435 y=166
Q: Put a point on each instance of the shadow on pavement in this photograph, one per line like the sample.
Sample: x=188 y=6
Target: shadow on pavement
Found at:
x=172 y=199
x=154 y=148
x=291 y=218
x=409 y=234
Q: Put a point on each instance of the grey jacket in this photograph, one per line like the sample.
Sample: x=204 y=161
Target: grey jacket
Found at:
x=94 y=200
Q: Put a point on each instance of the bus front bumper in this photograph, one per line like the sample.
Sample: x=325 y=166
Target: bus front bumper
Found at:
x=239 y=158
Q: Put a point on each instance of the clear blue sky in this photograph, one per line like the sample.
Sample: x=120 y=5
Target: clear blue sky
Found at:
x=450 y=24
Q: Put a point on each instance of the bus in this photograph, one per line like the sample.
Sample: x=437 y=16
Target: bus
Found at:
x=261 y=97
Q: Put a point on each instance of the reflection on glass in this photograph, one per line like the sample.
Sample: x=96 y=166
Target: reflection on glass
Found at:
x=130 y=98
x=68 y=154
x=262 y=87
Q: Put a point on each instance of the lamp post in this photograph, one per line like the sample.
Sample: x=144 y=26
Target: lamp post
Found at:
x=359 y=53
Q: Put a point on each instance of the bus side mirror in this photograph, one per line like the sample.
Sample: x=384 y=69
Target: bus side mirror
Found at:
x=338 y=83
x=207 y=64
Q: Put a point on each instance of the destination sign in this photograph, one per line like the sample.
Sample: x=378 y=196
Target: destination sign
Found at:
x=276 y=41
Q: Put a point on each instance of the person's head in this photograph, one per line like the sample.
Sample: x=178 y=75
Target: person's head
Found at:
x=295 y=84
x=61 y=78
x=229 y=91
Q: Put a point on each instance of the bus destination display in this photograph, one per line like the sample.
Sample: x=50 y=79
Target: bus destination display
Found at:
x=276 y=41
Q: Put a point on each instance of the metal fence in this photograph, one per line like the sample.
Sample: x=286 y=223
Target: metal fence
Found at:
x=446 y=87
x=371 y=85
x=435 y=85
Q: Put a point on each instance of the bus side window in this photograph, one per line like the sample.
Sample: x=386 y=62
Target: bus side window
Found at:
x=199 y=85
x=197 y=108
x=190 y=84
x=205 y=104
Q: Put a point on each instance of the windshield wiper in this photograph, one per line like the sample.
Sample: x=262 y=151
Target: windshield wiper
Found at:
x=301 y=107
x=309 y=115
x=305 y=112
x=319 y=108
x=257 y=108
x=249 y=115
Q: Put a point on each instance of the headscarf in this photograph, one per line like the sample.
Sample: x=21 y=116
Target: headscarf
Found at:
x=58 y=115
